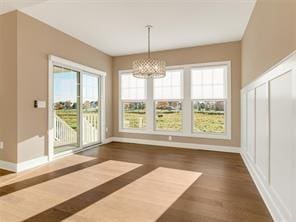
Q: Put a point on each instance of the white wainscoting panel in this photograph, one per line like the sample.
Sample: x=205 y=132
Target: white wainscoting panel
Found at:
x=268 y=122
x=244 y=122
x=281 y=139
x=251 y=124
x=262 y=130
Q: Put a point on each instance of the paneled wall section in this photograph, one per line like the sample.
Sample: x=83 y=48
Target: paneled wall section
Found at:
x=269 y=137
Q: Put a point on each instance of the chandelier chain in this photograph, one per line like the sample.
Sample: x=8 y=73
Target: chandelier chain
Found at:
x=149 y=27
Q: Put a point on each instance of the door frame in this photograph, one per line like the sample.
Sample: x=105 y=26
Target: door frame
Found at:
x=55 y=60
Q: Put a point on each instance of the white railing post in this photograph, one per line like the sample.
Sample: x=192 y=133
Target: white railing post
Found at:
x=65 y=135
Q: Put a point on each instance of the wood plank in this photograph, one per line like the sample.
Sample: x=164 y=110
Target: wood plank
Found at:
x=144 y=200
x=224 y=192
x=45 y=195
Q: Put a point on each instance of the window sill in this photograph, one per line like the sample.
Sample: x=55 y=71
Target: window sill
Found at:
x=181 y=134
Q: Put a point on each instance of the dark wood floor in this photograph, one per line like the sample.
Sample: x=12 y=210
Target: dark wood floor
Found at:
x=224 y=192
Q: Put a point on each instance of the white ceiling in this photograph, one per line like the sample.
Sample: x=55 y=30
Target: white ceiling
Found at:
x=10 y=5
x=116 y=27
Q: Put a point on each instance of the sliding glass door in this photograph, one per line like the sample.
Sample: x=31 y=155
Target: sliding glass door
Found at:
x=76 y=117
x=90 y=109
x=66 y=109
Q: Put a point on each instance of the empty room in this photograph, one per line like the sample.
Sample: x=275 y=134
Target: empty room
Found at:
x=148 y=110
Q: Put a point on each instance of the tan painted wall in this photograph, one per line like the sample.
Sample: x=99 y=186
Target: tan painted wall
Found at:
x=269 y=37
x=202 y=54
x=8 y=90
x=36 y=41
x=25 y=45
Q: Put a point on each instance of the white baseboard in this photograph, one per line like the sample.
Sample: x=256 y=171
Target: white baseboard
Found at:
x=108 y=140
x=5 y=165
x=264 y=191
x=32 y=163
x=178 y=144
x=18 y=167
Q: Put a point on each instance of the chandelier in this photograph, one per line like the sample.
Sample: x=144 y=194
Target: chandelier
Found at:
x=149 y=67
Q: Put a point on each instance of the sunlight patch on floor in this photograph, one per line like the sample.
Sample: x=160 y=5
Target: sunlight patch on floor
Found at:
x=25 y=203
x=47 y=168
x=145 y=199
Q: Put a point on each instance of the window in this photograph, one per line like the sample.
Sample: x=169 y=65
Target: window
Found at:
x=133 y=101
x=191 y=101
x=209 y=98
x=167 y=93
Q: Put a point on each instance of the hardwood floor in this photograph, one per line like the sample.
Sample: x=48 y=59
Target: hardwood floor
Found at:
x=79 y=187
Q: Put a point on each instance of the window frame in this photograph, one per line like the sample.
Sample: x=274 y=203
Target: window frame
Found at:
x=187 y=105
x=226 y=99
x=170 y=100
x=122 y=101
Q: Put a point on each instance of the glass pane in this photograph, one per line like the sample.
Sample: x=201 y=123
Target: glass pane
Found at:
x=169 y=87
x=207 y=77
x=134 y=115
x=207 y=92
x=218 y=91
x=132 y=88
x=90 y=109
x=208 y=116
x=208 y=83
x=218 y=77
x=168 y=115
x=66 y=109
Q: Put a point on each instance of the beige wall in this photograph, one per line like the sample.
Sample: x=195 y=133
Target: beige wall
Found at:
x=25 y=44
x=202 y=54
x=8 y=90
x=28 y=42
x=269 y=37
x=36 y=41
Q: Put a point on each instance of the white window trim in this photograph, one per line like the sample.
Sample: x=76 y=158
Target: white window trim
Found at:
x=121 y=101
x=187 y=111
x=55 y=60
x=159 y=131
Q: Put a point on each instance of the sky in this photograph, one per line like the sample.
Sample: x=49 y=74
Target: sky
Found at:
x=66 y=87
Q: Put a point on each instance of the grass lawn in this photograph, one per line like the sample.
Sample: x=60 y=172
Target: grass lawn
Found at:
x=203 y=122
x=134 y=120
x=69 y=116
x=170 y=121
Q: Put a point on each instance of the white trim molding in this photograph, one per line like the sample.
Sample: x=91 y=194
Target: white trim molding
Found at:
x=5 y=165
x=263 y=190
x=82 y=69
x=22 y=166
x=73 y=65
x=107 y=140
x=194 y=146
x=186 y=100
x=26 y=165
x=268 y=137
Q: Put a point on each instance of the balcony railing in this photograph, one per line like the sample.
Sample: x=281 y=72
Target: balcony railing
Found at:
x=66 y=135
x=63 y=133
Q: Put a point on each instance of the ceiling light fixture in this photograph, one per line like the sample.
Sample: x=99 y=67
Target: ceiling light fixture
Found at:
x=149 y=68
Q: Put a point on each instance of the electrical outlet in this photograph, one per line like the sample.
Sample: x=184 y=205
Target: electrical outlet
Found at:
x=170 y=138
x=1 y=145
x=107 y=129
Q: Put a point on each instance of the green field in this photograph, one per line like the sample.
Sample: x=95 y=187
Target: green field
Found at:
x=203 y=121
x=69 y=116
x=208 y=122
x=170 y=121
